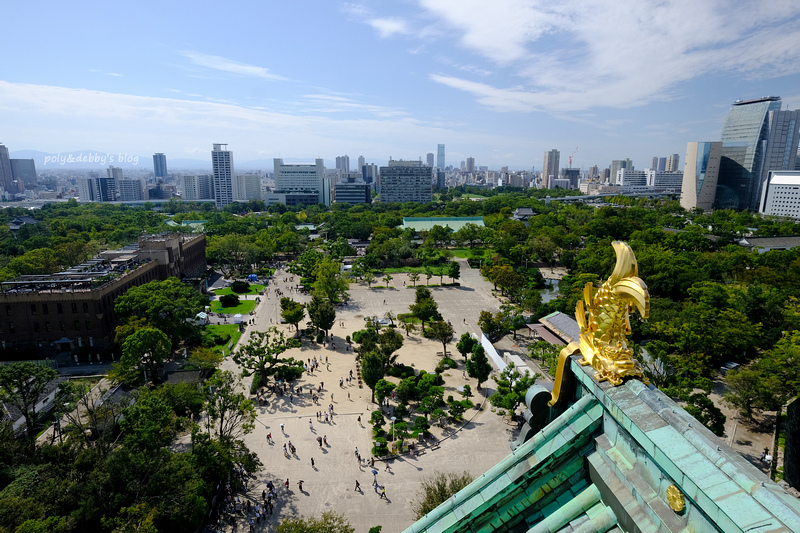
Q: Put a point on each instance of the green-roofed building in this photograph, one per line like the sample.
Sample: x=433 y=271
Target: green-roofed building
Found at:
x=615 y=459
x=426 y=223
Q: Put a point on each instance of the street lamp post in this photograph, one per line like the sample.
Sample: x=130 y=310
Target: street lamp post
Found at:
x=393 y=419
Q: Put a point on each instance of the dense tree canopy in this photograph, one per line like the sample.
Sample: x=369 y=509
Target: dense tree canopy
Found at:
x=169 y=304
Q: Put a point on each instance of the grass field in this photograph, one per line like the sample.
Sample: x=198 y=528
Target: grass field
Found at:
x=254 y=289
x=225 y=329
x=466 y=253
x=244 y=307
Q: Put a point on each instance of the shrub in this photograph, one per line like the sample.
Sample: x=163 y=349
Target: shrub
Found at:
x=240 y=286
x=400 y=371
x=377 y=419
x=320 y=337
x=380 y=448
x=347 y=339
x=401 y=411
x=421 y=424
x=289 y=373
x=256 y=384
x=229 y=300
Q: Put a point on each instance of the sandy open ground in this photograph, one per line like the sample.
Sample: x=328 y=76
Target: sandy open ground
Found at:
x=330 y=483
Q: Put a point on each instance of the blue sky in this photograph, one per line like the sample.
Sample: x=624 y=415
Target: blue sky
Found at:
x=502 y=81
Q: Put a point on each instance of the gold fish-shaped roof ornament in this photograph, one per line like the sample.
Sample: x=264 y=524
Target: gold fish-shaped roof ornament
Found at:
x=603 y=317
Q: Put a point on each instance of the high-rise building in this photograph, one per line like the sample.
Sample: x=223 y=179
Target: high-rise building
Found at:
x=470 y=166
x=222 y=166
x=130 y=190
x=114 y=173
x=782 y=144
x=361 y=162
x=440 y=156
x=99 y=189
x=7 y=181
x=352 y=191
x=369 y=173
x=654 y=164
x=406 y=181
x=440 y=181
x=662 y=164
x=343 y=164
x=199 y=187
x=550 y=167
x=673 y=163
x=572 y=174
x=160 y=165
x=302 y=184
x=24 y=170
x=744 y=140
x=430 y=159
x=700 y=175
x=246 y=187
x=619 y=164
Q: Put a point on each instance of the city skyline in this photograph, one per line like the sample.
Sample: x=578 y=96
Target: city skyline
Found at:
x=501 y=83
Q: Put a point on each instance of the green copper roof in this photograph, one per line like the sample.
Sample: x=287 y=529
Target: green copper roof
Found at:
x=426 y=223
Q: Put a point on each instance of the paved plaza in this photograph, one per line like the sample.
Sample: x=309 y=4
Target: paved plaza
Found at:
x=329 y=484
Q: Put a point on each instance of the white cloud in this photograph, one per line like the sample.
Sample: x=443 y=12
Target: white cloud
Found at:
x=579 y=54
x=228 y=65
x=139 y=124
x=328 y=103
x=386 y=27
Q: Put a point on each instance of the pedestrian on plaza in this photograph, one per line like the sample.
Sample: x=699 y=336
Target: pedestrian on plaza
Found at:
x=359 y=420
x=312 y=462
x=383 y=493
x=375 y=486
x=319 y=440
x=388 y=468
x=358 y=487
x=325 y=440
x=282 y=430
x=300 y=485
x=356 y=451
x=310 y=425
x=286 y=484
x=348 y=397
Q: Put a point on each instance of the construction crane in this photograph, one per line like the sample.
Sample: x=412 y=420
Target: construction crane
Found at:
x=573 y=155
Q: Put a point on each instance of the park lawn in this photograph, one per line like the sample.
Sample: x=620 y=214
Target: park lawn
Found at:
x=254 y=289
x=466 y=253
x=244 y=307
x=225 y=329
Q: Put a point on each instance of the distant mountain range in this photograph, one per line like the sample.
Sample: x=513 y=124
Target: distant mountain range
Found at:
x=95 y=160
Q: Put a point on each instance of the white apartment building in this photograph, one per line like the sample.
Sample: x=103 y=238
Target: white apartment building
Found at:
x=247 y=187
x=130 y=190
x=302 y=184
x=781 y=194
x=198 y=187
x=222 y=164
